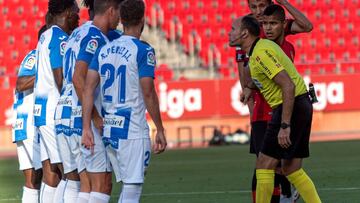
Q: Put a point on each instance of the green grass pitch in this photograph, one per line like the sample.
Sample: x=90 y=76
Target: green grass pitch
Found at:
x=223 y=175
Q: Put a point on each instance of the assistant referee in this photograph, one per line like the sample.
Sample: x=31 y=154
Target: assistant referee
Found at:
x=288 y=133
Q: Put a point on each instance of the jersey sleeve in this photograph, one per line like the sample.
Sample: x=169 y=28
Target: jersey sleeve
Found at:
x=94 y=65
x=88 y=47
x=268 y=62
x=27 y=67
x=146 y=62
x=57 y=49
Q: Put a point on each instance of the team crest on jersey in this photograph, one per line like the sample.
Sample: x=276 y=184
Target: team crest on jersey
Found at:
x=92 y=46
x=151 y=58
x=30 y=62
x=62 y=48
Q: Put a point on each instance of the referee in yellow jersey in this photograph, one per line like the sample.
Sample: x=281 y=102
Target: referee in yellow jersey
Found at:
x=288 y=133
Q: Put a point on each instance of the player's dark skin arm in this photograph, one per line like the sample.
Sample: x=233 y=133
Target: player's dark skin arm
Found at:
x=152 y=106
x=58 y=76
x=81 y=69
x=301 y=23
x=283 y=80
x=24 y=83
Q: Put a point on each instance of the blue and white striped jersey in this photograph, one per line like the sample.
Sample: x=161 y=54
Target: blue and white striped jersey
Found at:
x=121 y=64
x=24 y=101
x=81 y=46
x=49 y=54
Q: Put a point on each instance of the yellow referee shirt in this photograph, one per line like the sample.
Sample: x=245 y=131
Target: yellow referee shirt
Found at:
x=267 y=59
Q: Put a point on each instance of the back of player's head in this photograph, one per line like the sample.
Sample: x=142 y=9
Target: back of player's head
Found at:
x=100 y=6
x=49 y=19
x=42 y=30
x=251 y=24
x=275 y=10
x=89 y=4
x=57 y=7
x=132 y=12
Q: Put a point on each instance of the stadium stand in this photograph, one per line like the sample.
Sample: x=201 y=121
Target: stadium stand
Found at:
x=201 y=28
x=333 y=43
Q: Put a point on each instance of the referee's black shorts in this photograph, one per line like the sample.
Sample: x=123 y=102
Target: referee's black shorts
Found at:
x=258 y=130
x=299 y=135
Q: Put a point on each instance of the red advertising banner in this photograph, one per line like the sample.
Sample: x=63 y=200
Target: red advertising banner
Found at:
x=218 y=98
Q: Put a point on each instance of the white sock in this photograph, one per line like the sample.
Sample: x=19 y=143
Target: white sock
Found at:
x=59 y=194
x=130 y=193
x=47 y=193
x=97 y=197
x=71 y=192
x=83 y=197
x=30 y=195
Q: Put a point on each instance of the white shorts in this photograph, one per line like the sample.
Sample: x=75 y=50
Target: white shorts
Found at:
x=29 y=153
x=131 y=160
x=99 y=161
x=48 y=144
x=70 y=153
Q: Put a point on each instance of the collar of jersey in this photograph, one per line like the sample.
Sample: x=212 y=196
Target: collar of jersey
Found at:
x=253 y=46
x=129 y=36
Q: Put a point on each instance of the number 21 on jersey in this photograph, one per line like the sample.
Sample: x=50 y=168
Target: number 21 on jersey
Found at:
x=110 y=89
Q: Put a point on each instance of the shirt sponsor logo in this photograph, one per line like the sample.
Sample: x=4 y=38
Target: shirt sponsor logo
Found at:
x=114 y=121
x=265 y=68
x=19 y=124
x=30 y=62
x=92 y=46
x=66 y=101
x=37 y=110
x=62 y=48
x=76 y=111
x=151 y=58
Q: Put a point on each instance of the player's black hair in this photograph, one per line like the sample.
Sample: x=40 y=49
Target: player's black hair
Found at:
x=275 y=10
x=49 y=19
x=251 y=24
x=42 y=30
x=89 y=4
x=56 y=7
x=132 y=12
x=100 y=6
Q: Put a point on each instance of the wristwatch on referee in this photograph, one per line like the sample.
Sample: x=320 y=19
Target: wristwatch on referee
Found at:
x=284 y=125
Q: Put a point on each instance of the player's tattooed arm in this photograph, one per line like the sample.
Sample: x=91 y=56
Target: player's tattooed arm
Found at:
x=25 y=83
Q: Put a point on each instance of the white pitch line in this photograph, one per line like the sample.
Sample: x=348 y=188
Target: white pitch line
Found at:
x=206 y=193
